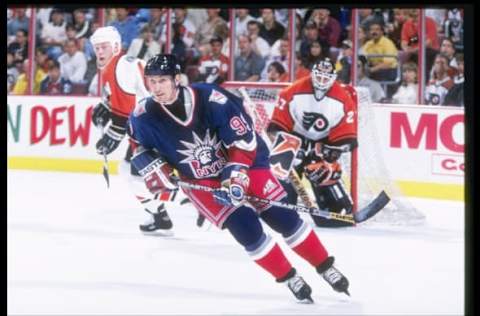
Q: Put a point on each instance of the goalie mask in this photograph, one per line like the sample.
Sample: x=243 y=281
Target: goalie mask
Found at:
x=323 y=75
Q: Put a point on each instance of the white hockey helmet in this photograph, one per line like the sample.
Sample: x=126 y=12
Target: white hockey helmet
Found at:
x=107 y=34
x=323 y=74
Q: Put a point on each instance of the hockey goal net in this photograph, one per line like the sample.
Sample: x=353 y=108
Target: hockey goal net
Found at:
x=365 y=173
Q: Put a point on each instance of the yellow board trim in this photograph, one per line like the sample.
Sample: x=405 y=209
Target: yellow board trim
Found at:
x=408 y=188
x=61 y=164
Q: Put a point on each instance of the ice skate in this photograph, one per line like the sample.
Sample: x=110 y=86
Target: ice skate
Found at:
x=334 y=277
x=159 y=224
x=299 y=287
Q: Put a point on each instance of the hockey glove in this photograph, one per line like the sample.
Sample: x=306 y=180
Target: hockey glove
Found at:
x=323 y=173
x=235 y=183
x=110 y=140
x=101 y=115
x=156 y=173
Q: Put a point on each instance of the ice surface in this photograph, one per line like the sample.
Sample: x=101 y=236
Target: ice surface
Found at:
x=74 y=248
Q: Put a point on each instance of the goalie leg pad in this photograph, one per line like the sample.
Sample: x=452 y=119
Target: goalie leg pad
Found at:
x=332 y=198
x=284 y=151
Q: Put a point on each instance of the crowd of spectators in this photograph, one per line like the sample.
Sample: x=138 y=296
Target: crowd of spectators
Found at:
x=387 y=47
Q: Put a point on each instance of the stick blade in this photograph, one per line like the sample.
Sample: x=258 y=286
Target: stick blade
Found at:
x=372 y=208
x=105 y=175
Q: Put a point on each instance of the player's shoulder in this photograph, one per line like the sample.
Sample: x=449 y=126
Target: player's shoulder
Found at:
x=342 y=92
x=212 y=93
x=300 y=86
x=140 y=111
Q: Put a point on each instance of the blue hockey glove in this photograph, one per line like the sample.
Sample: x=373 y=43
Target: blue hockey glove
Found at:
x=235 y=183
x=156 y=173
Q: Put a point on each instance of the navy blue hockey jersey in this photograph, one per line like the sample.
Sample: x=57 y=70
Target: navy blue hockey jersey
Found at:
x=216 y=128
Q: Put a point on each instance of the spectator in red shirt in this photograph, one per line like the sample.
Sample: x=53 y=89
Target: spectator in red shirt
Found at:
x=214 y=67
x=410 y=38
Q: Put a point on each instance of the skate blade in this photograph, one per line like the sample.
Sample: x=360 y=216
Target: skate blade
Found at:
x=159 y=233
x=308 y=300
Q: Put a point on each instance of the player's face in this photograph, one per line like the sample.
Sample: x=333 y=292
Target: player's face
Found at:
x=104 y=53
x=162 y=88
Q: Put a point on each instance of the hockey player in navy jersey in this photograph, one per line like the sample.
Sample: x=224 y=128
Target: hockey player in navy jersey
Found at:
x=204 y=133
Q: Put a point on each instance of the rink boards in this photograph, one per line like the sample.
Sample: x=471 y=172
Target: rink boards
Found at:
x=422 y=146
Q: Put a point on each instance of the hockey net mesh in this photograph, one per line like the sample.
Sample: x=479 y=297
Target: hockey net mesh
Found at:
x=372 y=174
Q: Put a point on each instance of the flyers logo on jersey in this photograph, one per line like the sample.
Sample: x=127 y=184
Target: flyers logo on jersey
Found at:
x=217 y=97
x=317 y=120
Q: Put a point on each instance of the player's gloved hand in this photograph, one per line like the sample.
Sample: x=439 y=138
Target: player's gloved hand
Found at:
x=235 y=183
x=323 y=173
x=157 y=173
x=110 y=140
x=101 y=115
x=330 y=153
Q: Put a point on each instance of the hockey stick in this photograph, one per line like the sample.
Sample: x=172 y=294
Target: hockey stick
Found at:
x=105 y=161
x=360 y=216
x=292 y=175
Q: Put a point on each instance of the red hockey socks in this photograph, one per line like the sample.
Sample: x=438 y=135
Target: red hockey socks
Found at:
x=271 y=258
x=306 y=244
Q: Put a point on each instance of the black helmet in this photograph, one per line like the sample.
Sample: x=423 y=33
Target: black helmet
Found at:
x=162 y=64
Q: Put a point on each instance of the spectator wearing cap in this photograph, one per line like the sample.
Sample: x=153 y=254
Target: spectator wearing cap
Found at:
x=20 y=21
x=21 y=85
x=440 y=82
x=241 y=20
x=248 y=65
x=381 y=68
x=454 y=96
x=259 y=45
x=144 y=47
x=344 y=62
x=270 y=29
x=310 y=35
x=126 y=26
x=19 y=48
x=214 y=67
x=54 y=33
x=407 y=92
x=54 y=83
x=376 y=91
x=328 y=27
x=73 y=63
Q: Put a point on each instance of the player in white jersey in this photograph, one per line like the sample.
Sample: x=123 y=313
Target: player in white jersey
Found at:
x=123 y=86
x=317 y=115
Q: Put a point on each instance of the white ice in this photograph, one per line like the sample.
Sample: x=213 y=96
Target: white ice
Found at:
x=74 y=248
